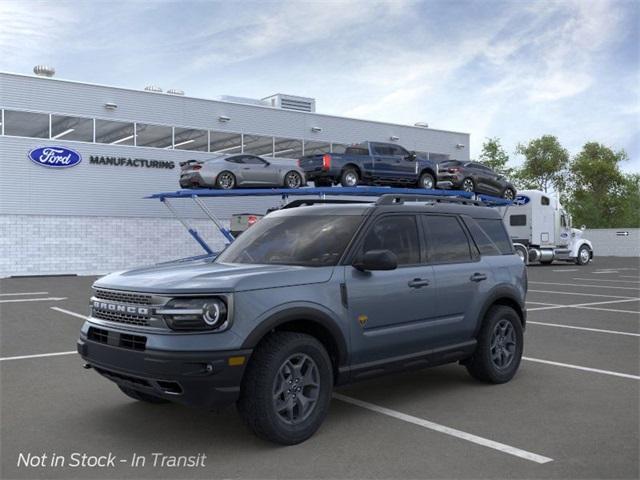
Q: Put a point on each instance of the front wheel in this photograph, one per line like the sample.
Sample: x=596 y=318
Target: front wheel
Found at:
x=287 y=387
x=584 y=255
x=468 y=185
x=226 y=180
x=499 y=349
x=293 y=179
x=523 y=253
x=427 y=181
x=509 y=194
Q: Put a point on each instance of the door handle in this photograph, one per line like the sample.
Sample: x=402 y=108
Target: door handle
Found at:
x=246 y=168
x=418 y=282
x=478 y=277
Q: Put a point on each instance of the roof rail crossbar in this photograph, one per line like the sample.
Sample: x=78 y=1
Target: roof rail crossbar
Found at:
x=391 y=199
x=317 y=201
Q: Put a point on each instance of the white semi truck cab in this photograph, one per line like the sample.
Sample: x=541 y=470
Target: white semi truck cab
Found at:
x=541 y=230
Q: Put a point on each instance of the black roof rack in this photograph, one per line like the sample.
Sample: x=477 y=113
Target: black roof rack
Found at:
x=316 y=201
x=391 y=199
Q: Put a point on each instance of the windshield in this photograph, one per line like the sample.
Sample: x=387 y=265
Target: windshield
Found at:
x=312 y=241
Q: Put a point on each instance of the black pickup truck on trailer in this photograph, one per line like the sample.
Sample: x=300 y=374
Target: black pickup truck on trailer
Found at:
x=371 y=163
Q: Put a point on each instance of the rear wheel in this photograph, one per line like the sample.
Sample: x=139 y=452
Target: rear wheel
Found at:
x=499 y=350
x=293 y=179
x=427 y=181
x=141 y=396
x=509 y=194
x=349 y=178
x=226 y=180
x=468 y=185
x=287 y=387
x=584 y=255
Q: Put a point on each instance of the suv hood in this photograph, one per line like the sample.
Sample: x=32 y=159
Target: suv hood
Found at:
x=203 y=276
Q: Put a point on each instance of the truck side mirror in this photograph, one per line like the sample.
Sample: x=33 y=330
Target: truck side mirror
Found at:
x=376 y=260
x=412 y=156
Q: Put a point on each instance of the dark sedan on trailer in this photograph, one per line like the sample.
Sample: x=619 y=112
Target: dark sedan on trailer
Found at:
x=241 y=170
x=475 y=177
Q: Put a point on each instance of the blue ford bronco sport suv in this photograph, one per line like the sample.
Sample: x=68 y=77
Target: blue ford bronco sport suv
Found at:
x=310 y=298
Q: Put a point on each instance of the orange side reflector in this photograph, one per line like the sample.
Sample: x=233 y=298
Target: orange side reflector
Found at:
x=235 y=361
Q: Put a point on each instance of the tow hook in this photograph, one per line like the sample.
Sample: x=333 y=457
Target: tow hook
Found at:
x=86 y=366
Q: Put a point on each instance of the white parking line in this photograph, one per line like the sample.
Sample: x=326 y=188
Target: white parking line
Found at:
x=579 y=367
x=632 y=312
x=485 y=442
x=73 y=314
x=628 y=276
x=597 y=330
x=605 y=280
x=48 y=299
x=23 y=293
x=40 y=355
x=582 y=294
x=546 y=304
x=567 y=270
x=584 y=305
x=605 y=272
x=587 y=286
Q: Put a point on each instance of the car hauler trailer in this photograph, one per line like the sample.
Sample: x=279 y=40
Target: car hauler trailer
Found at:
x=541 y=230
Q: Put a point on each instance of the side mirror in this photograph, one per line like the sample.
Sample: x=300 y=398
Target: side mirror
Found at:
x=412 y=156
x=376 y=260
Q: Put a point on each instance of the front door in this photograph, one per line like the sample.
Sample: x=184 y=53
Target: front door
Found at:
x=257 y=171
x=391 y=312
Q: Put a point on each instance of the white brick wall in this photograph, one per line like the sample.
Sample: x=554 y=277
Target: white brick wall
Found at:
x=607 y=242
x=46 y=245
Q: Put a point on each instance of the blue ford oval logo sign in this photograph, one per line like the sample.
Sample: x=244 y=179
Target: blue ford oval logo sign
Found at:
x=521 y=200
x=55 y=157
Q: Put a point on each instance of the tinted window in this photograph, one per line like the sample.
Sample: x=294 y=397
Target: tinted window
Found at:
x=312 y=241
x=114 y=133
x=399 y=151
x=447 y=241
x=494 y=228
x=26 y=124
x=71 y=128
x=235 y=159
x=518 y=220
x=544 y=201
x=485 y=245
x=382 y=150
x=157 y=136
x=253 y=160
x=356 y=151
x=398 y=233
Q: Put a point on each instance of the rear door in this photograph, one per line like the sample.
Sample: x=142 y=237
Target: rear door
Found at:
x=462 y=277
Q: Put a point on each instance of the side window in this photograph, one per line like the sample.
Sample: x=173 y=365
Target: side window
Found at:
x=235 y=160
x=544 y=201
x=397 y=233
x=494 y=228
x=563 y=220
x=518 y=220
x=447 y=242
x=399 y=151
x=251 y=160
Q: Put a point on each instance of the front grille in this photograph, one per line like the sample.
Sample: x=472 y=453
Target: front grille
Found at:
x=133 y=342
x=122 y=340
x=125 y=297
x=120 y=317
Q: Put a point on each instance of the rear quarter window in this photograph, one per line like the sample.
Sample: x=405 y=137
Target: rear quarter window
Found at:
x=490 y=236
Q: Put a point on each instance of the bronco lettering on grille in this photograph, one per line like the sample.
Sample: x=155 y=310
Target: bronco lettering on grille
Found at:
x=114 y=307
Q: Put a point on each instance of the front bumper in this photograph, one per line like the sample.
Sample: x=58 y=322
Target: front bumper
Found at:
x=200 y=379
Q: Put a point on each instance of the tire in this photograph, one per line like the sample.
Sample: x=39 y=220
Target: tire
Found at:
x=508 y=194
x=522 y=252
x=225 y=180
x=484 y=365
x=427 y=181
x=349 y=177
x=269 y=373
x=292 y=179
x=468 y=185
x=141 y=396
x=584 y=255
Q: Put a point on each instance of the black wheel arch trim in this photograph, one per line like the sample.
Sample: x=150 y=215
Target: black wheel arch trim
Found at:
x=506 y=294
x=298 y=313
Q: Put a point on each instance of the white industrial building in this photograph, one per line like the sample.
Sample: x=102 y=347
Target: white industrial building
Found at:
x=93 y=218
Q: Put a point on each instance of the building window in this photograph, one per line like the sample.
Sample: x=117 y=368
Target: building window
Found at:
x=190 y=139
x=315 y=148
x=287 y=148
x=157 y=136
x=71 y=128
x=258 y=145
x=26 y=124
x=225 y=142
x=114 y=133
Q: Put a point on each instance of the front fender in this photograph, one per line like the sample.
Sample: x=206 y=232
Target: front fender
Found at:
x=579 y=243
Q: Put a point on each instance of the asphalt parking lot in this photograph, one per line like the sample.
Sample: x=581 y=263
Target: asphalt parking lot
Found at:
x=572 y=411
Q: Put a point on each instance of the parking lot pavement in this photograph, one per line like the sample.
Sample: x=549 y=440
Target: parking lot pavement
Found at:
x=571 y=412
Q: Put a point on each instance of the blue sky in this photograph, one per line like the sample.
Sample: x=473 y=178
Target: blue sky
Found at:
x=515 y=70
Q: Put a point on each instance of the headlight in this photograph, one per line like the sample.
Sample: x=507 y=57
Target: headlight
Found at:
x=195 y=314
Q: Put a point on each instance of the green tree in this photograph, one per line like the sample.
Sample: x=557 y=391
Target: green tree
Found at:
x=494 y=156
x=544 y=165
x=599 y=194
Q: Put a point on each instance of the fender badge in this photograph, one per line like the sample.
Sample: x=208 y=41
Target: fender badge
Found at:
x=362 y=320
